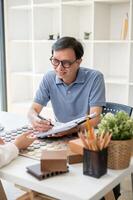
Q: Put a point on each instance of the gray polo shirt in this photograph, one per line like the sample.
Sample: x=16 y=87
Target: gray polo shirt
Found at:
x=72 y=101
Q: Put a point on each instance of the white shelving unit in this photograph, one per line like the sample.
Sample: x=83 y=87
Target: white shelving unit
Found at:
x=29 y=24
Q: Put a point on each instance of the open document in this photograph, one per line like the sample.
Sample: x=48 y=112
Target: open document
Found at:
x=61 y=127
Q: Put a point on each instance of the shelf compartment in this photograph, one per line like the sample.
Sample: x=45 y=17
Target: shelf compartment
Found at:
x=11 y=3
x=117 y=80
x=113 y=1
x=21 y=94
x=21 y=107
x=19 y=24
x=112 y=41
x=112 y=60
x=77 y=2
x=78 y=21
x=108 y=19
x=50 y=16
x=87 y=60
x=46 y=1
x=36 y=81
x=113 y=93
x=20 y=57
x=42 y=54
x=24 y=73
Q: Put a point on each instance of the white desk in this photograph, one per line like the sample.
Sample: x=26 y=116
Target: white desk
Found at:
x=73 y=185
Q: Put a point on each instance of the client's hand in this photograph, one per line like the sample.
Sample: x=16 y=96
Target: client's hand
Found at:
x=24 y=140
x=1 y=141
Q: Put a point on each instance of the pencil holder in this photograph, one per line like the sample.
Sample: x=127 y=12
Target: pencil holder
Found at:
x=95 y=163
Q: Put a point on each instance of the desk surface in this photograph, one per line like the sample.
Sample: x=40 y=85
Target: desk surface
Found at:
x=73 y=185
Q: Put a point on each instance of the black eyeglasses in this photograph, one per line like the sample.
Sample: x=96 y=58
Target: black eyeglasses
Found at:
x=64 y=63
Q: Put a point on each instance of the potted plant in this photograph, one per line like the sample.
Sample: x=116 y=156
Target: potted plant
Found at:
x=120 y=125
x=87 y=35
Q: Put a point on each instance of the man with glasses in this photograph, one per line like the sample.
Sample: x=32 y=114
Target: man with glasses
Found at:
x=73 y=91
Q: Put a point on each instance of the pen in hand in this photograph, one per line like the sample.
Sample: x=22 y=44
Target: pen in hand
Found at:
x=40 y=117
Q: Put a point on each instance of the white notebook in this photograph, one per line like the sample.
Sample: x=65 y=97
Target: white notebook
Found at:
x=61 y=127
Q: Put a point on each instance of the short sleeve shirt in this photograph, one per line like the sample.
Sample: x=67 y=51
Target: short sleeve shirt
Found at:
x=72 y=101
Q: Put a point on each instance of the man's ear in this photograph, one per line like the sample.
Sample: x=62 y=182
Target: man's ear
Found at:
x=79 y=61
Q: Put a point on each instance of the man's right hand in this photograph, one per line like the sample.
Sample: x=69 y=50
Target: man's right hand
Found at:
x=41 y=124
x=38 y=124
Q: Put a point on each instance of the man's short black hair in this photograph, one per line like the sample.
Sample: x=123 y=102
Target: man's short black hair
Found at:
x=69 y=42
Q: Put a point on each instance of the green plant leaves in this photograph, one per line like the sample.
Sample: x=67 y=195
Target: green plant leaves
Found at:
x=120 y=125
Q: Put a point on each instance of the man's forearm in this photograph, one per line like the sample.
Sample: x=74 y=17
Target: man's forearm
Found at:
x=32 y=114
x=95 y=122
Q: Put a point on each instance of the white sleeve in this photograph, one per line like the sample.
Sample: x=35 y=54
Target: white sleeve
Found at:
x=7 y=153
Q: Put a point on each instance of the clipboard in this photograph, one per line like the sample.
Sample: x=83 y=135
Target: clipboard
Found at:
x=61 y=127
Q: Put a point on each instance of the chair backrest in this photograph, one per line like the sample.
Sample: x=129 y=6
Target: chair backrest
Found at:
x=116 y=107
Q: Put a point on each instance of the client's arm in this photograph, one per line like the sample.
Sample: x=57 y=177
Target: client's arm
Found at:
x=10 y=151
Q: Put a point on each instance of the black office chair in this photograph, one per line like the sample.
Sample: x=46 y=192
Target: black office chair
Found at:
x=114 y=108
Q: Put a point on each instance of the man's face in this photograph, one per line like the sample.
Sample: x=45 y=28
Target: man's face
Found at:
x=67 y=69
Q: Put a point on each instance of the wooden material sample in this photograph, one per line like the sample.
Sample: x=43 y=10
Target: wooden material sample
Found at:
x=54 y=161
x=73 y=158
x=35 y=170
x=76 y=146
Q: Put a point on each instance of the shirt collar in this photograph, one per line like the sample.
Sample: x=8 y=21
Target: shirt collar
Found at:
x=80 y=77
x=58 y=80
